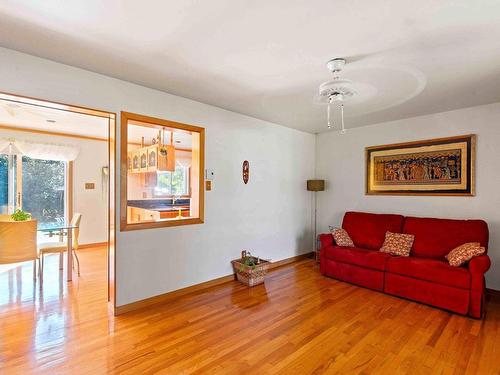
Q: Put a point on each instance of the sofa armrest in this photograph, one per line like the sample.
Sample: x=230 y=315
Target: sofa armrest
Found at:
x=479 y=265
x=326 y=239
x=477 y=268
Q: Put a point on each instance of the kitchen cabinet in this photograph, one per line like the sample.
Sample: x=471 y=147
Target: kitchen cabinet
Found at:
x=174 y=214
x=151 y=159
x=137 y=214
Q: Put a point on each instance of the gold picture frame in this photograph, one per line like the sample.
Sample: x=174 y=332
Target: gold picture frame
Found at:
x=441 y=166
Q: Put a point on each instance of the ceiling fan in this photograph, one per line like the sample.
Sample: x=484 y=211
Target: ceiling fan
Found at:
x=336 y=91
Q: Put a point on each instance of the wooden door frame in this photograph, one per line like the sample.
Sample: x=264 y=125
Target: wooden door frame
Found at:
x=111 y=140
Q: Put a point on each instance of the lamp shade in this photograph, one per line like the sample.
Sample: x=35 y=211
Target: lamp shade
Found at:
x=316 y=185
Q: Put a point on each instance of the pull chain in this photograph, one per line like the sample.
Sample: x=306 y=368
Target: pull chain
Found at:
x=328 y=115
x=342 y=131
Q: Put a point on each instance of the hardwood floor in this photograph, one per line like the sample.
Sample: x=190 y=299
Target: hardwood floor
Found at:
x=297 y=323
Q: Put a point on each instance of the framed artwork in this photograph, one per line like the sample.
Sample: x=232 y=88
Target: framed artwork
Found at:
x=443 y=166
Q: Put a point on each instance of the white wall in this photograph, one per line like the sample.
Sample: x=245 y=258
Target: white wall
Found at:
x=92 y=204
x=270 y=216
x=340 y=160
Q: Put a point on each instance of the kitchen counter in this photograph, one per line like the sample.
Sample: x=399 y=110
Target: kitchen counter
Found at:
x=161 y=205
x=165 y=209
x=157 y=209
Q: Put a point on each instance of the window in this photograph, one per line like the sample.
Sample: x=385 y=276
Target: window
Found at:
x=162 y=164
x=44 y=192
x=34 y=185
x=173 y=183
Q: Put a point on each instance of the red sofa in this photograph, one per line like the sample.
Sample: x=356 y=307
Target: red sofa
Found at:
x=425 y=276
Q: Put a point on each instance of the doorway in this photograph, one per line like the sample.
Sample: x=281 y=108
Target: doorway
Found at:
x=39 y=174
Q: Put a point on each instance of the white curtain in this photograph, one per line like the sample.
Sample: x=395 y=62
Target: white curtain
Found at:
x=46 y=151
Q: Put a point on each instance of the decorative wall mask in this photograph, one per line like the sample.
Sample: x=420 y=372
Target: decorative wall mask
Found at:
x=246 y=171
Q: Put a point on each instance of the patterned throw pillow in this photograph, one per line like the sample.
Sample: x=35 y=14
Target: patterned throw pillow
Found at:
x=463 y=253
x=341 y=237
x=397 y=244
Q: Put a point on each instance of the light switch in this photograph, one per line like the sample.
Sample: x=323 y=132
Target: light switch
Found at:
x=208 y=185
x=209 y=174
x=89 y=186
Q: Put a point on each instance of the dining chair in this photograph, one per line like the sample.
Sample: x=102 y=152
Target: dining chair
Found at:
x=62 y=245
x=18 y=242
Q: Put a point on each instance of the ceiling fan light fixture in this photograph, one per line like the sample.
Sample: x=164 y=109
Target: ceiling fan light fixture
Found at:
x=336 y=90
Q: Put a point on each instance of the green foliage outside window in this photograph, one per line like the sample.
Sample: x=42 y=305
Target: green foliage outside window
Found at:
x=43 y=189
x=173 y=183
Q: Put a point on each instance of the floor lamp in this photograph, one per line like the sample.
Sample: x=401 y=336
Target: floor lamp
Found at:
x=315 y=186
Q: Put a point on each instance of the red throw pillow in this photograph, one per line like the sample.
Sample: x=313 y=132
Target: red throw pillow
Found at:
x=463 y=253
x=341 y=237
x=397 y=244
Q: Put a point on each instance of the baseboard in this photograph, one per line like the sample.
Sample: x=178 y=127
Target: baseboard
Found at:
x=89 y=245
x=162 y=298
x=493 y=292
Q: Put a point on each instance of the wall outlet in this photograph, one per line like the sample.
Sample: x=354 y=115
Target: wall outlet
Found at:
x=89 y=186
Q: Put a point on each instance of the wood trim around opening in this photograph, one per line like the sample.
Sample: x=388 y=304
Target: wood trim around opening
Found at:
x=111 y=116
x=162 y=298
x=153 y=122
x=92 y=245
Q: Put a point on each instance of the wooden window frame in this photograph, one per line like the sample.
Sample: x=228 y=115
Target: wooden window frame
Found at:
x=157 y=123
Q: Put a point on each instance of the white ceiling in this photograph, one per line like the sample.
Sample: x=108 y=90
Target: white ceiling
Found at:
x=267 y=58
x=21 y=115
x=181 y=139
x=26 y=116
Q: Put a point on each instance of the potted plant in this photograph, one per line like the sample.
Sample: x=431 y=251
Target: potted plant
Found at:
x=20 y=215
x=250 y=270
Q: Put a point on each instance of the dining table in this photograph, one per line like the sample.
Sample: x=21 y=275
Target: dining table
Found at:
x=61 y=229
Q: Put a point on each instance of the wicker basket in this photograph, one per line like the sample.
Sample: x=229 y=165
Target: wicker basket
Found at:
x=250 y=275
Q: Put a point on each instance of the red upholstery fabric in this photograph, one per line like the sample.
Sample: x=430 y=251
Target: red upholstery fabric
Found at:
x=366 y=277
x=429 y=269
x=478 y=267
x=434 y=238
x=326 y=239
x=425 y=276
x=443 y=296
x=368 y=230
x=357 y=256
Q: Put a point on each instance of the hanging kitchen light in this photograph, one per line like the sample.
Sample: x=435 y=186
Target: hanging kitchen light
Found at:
x=11 y=149
x=335 y=92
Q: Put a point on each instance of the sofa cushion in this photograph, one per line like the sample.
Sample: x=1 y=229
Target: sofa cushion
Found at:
x=341 y=237
x=397 y=244
x=433 y=270
x=463 y=253
x=368 y=230
x=434 y=238
x=357 y=256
